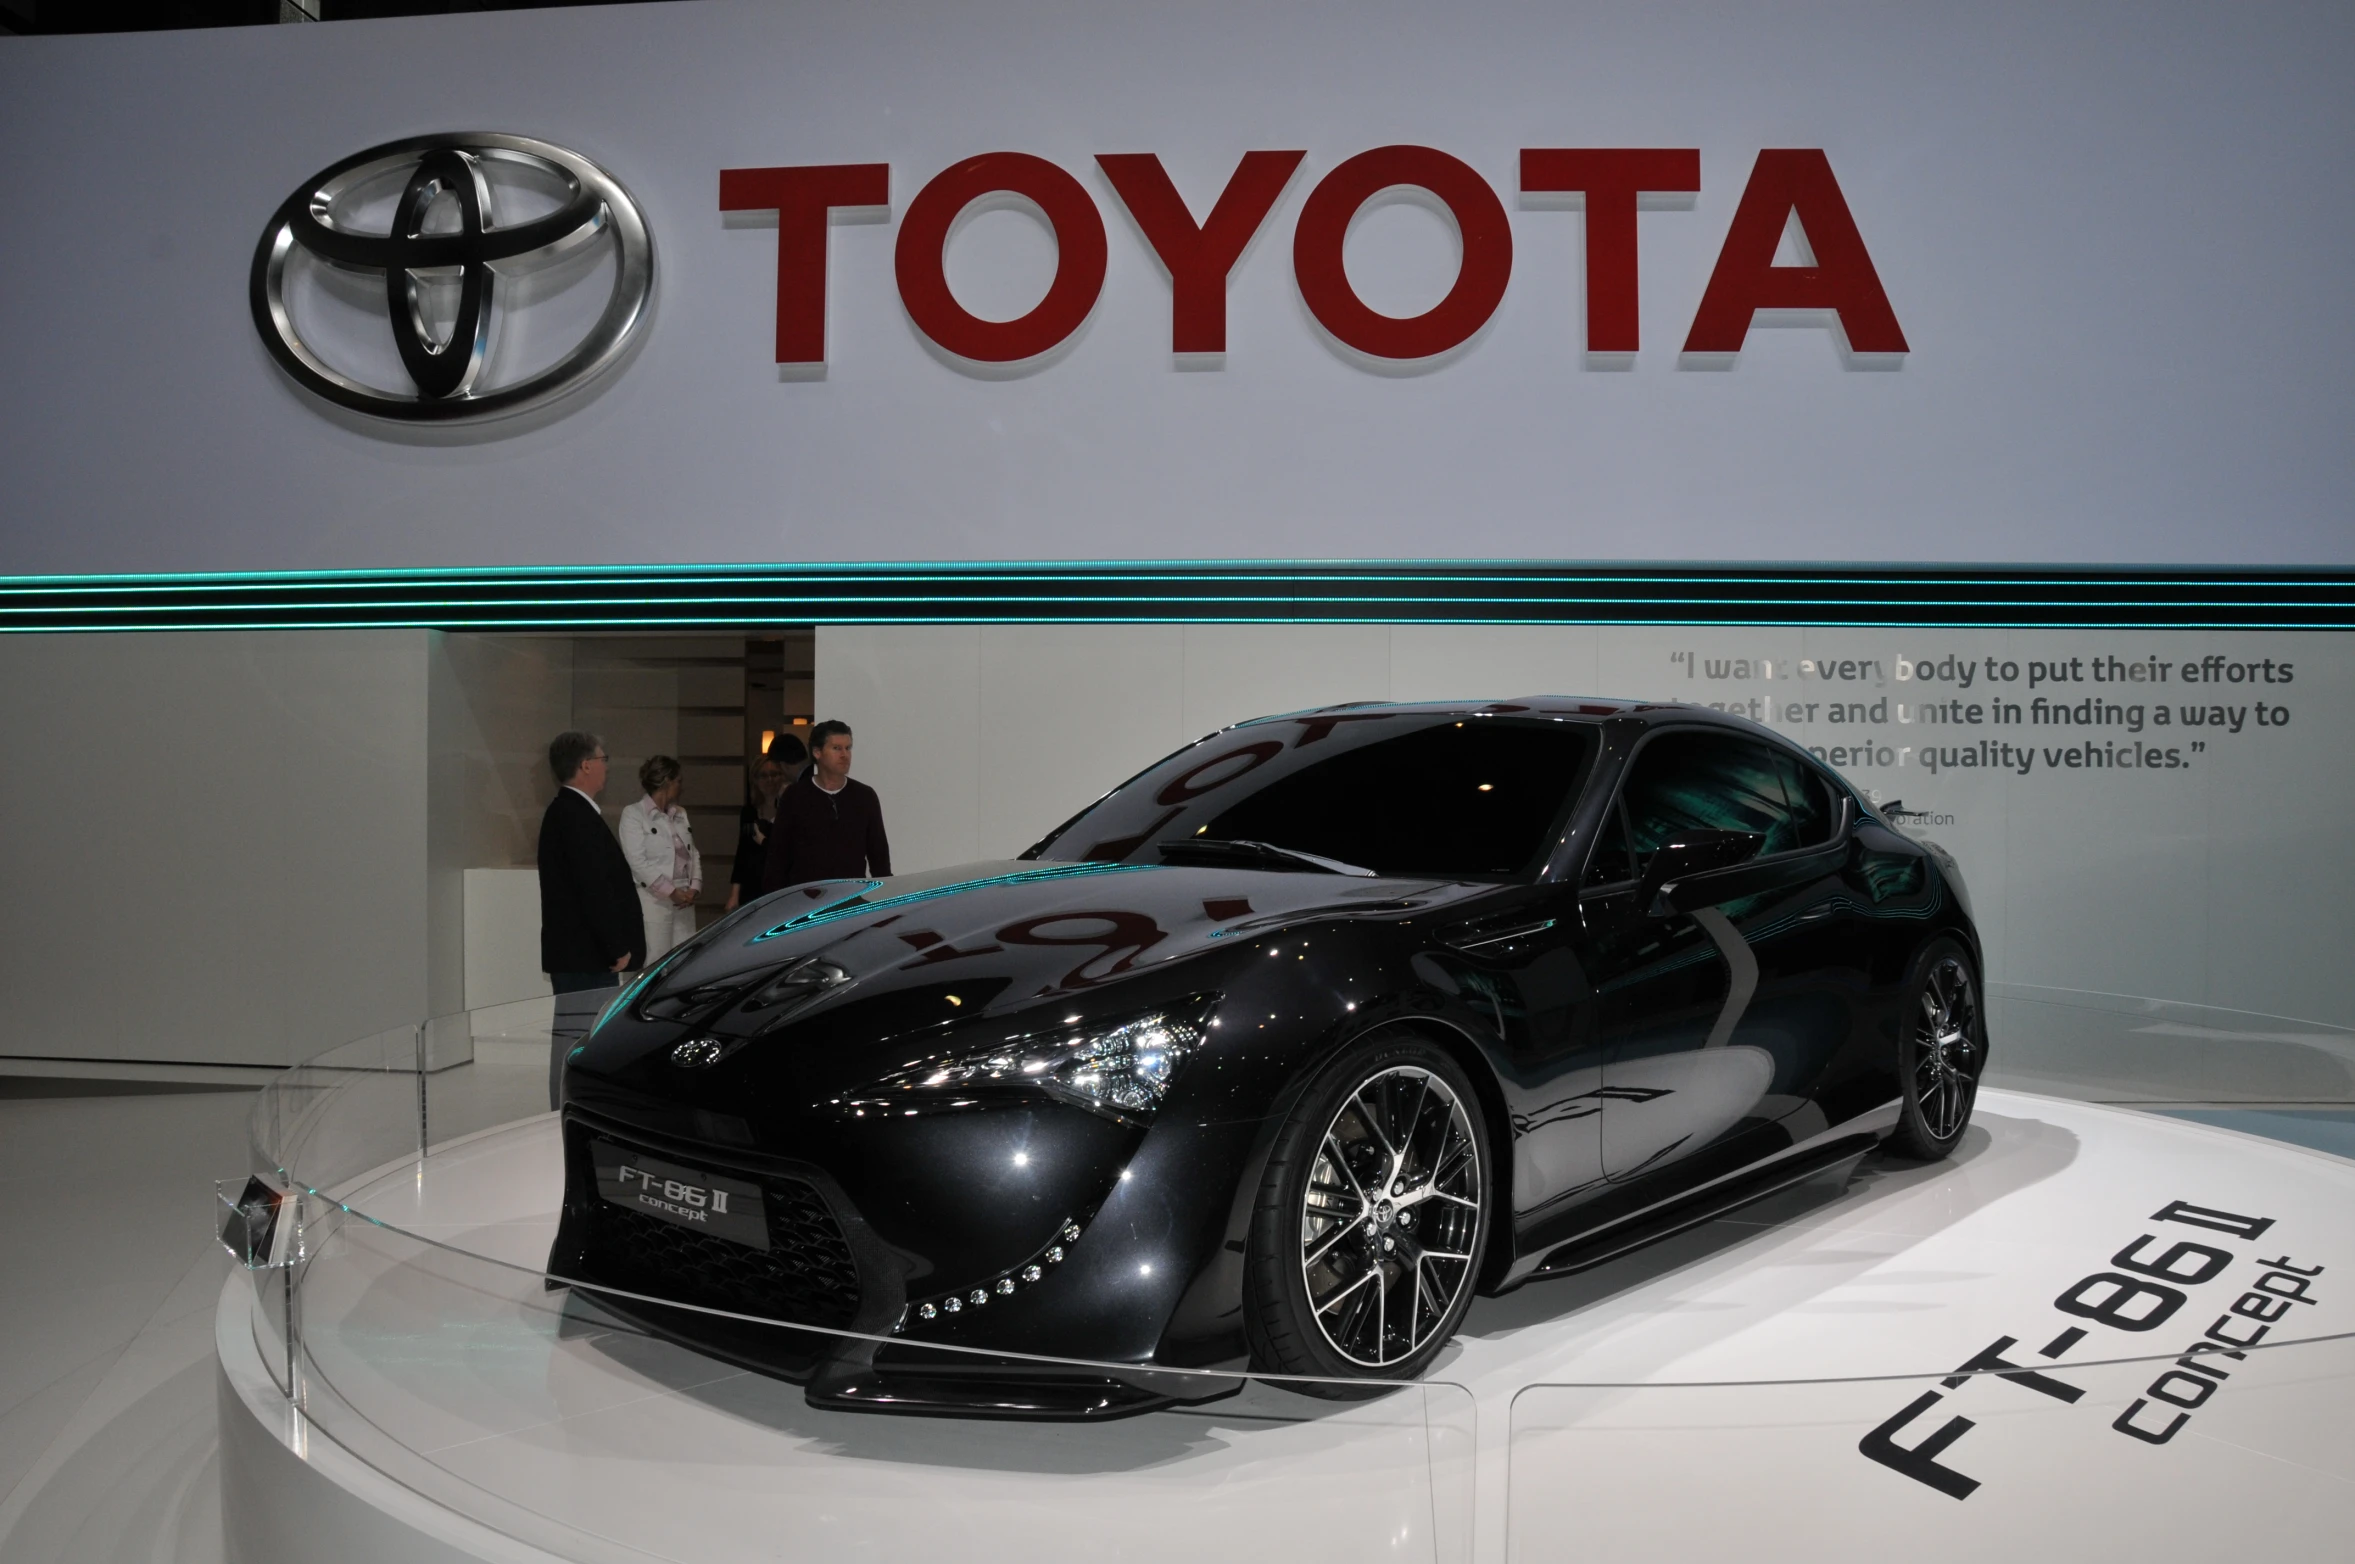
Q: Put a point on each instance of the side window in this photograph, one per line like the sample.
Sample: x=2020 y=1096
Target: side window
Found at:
x=1611 y=862
x=1812 y=814
x=1705 y=782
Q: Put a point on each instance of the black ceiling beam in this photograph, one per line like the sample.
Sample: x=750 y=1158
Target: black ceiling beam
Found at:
x=1404 y=592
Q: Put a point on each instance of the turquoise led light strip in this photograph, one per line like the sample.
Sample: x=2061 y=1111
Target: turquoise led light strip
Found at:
x=1491 y=592
x=857 y=904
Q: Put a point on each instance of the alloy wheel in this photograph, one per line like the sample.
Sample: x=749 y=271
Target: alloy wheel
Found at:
x=1390 y=1217
x=1945 y=1049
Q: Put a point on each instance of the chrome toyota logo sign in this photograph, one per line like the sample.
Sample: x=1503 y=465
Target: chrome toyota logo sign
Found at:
x=451 y=278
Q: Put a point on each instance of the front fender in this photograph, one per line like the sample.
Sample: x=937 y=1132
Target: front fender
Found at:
x=1262 y=1084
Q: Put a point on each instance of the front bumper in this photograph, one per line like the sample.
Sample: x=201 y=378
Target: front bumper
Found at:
x=833 y=1303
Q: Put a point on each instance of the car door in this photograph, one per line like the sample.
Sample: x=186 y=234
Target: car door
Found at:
x=1521 y=964
x=1816 y=956
x=1709 y=1019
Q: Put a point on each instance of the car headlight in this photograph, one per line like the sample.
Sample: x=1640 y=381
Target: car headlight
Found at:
x=633 y=989
x=1121 y=1069
x=614 y=1005
x=1128 y=1068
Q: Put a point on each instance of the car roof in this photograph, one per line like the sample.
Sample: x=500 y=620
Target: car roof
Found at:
x=1593 y=708
x=1563 y=708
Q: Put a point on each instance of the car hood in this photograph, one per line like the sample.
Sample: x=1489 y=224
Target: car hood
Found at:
x=1008 y=934
x=812 y=995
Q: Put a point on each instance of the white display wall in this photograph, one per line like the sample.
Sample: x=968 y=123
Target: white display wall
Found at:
x=2105 y=230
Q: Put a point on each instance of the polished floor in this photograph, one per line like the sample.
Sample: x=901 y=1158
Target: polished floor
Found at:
x=108 y=1438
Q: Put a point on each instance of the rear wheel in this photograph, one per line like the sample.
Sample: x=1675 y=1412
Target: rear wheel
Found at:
x=1941 y=1050
x=1371 y=1216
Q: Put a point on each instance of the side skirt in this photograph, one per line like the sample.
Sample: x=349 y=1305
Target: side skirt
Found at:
x=1586 y=1252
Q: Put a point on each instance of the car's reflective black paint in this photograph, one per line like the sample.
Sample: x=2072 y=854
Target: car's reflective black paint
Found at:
x=1601 y=1019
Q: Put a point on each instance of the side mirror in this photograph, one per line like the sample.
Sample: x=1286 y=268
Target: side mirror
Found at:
x=1691 y=853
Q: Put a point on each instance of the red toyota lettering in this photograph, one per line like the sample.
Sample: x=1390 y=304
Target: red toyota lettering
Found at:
x=1079 y=258
x=803 y=198
x=1746 y=280
x=1612 y=179
x=1486 y=267
x=1199 y=258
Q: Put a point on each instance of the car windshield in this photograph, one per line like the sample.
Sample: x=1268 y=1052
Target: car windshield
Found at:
x=1397 y=794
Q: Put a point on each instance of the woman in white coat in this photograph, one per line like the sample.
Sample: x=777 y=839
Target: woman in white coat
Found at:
x=663 y=860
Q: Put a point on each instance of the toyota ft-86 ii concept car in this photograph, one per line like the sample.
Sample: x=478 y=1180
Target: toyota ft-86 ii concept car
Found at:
x=1277 y=1053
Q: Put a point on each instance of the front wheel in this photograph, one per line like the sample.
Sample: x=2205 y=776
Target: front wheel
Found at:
x=1941 y=1050
x=1371 y=1216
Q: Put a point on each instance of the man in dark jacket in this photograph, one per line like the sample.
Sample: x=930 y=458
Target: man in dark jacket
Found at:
x=590 y=931
x=828 y=827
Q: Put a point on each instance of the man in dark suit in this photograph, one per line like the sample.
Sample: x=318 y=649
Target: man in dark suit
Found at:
x=590 y=931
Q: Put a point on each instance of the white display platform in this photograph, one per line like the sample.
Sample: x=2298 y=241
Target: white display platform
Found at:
x=1709 y=1392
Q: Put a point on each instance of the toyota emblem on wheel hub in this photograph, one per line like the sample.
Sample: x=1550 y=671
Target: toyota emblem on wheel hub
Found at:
x=430 y=236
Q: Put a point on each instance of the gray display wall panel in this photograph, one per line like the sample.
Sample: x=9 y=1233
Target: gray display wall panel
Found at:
x=229 y=846
x=217 y=843
x=2164 y=901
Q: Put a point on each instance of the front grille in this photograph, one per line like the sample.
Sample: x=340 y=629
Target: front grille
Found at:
x=807 y=1276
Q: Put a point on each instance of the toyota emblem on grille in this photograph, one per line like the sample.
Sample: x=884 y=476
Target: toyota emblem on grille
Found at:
x=438 y=237
x=696 y=1052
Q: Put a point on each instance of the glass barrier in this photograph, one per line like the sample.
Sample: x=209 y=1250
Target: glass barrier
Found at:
x=1778 y=1369
x=545 y=1415
x=397 y=1233
x=2213 y=1453
x=2118 y=1048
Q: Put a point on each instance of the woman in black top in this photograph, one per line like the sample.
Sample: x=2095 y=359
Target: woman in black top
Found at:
x=770 y=778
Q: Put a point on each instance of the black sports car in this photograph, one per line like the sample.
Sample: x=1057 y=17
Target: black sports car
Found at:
x=1279 y=1051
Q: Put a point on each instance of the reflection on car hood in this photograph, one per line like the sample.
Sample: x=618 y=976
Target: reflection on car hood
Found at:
x=1016 y=932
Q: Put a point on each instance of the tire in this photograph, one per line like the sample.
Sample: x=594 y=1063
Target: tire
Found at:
x=1376 y=1203
x=1941 y=1052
